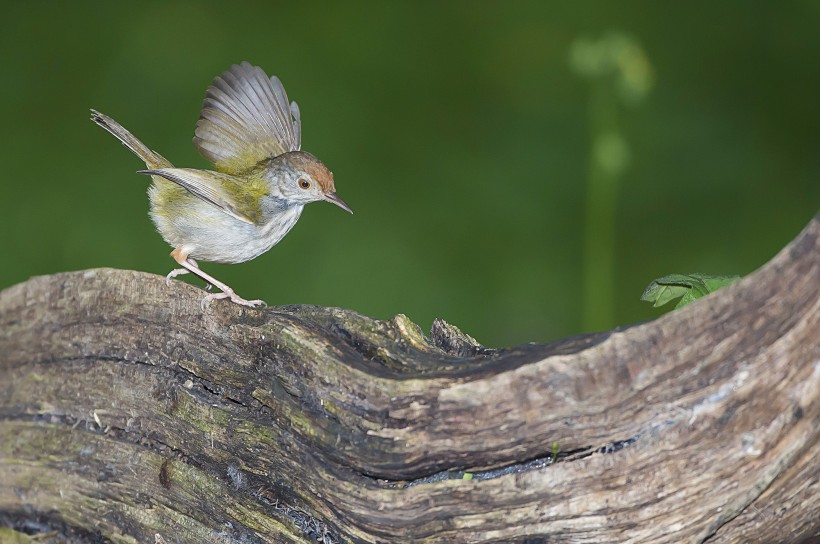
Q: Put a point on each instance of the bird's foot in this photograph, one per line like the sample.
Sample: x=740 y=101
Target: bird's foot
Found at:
x=173 y=274
x=234 y=298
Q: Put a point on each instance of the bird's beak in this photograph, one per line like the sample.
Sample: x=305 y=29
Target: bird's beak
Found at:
x=334 y=198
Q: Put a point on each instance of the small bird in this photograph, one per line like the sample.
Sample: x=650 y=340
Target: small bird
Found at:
x=261 y=182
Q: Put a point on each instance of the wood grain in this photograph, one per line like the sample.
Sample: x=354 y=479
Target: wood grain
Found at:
x=127 y=414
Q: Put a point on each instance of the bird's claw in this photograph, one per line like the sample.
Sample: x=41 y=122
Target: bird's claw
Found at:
x=234 y=298
x=173 y=274
x=226 y=292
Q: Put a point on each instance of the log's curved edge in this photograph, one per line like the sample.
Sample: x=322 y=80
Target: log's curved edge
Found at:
x=310 y=417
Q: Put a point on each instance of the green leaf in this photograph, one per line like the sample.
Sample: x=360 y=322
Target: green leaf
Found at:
x=687 y=287
x=467 y=476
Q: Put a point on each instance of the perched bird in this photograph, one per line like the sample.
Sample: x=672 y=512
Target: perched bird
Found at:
x=247 y=129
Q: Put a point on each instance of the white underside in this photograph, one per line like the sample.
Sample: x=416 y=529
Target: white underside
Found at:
x=213 y=236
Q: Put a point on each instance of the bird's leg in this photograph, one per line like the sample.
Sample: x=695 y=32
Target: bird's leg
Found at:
x=180 y=255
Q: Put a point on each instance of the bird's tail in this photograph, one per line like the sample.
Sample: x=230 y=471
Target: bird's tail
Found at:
x=152 y=159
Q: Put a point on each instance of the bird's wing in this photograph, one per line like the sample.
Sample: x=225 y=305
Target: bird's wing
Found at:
x=237 y=197
x=246 y=118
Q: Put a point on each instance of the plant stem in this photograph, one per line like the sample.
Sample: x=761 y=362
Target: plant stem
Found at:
x=606 y=163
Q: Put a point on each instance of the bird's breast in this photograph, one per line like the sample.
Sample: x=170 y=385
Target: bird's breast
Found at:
x=214 y=236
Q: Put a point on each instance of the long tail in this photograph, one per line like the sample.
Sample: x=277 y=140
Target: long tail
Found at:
x=152 y=159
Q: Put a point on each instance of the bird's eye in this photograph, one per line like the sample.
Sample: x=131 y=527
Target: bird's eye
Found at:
x=304 y=184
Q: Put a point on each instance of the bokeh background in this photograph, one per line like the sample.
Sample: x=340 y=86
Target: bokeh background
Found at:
x=461 y=133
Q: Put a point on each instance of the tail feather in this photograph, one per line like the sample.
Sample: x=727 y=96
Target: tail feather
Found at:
x=151 y=158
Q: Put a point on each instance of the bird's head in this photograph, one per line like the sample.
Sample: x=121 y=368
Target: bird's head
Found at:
x=301 y=178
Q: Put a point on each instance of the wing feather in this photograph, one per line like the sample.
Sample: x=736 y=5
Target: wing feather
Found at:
x=232 y=195
x=246 y=118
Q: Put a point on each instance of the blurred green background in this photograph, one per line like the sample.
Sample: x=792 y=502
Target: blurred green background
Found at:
x=458 y=132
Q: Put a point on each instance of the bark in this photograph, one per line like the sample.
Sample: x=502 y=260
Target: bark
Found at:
x=129 y=414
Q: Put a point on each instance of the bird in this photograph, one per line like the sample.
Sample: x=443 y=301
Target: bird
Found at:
x=260 y=183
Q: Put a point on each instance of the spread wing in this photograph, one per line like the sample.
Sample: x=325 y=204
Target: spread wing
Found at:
x=246 y=118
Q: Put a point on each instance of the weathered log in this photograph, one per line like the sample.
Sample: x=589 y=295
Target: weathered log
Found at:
x=129 y=414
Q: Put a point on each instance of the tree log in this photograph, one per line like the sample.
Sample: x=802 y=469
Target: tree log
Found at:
x=130 y=414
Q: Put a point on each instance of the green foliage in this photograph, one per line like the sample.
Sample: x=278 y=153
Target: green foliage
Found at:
x=687 y=287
